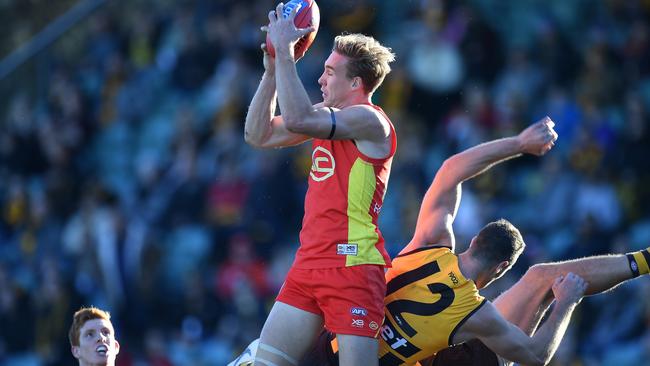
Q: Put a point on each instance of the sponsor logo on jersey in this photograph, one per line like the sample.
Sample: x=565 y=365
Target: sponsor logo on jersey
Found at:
x=358 y=323
x=453 y=278
x=359 y=311
x=346 y=249
x=322 y=164
x=373 y=325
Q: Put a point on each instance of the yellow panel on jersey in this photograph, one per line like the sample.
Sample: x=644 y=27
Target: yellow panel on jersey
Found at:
x=427 y=299
x=361 y=229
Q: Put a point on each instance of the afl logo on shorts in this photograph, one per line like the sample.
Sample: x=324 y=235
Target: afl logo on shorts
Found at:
x=322 y=164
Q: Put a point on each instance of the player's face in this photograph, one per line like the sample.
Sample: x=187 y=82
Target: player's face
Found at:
x=97 y=344
x=335 y=85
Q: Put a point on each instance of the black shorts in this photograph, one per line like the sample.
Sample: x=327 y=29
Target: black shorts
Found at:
x=321 y=354
x=472 y=353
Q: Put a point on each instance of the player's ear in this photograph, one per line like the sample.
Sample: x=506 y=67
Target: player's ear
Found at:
x=117 y=347
x=75 y=351
x=502 y=267
x=356 y=82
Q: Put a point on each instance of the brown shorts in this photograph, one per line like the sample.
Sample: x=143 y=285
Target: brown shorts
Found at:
x=321 y=354
x=472 y=353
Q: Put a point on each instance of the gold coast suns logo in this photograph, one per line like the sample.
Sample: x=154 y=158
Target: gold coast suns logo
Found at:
x=322 y=164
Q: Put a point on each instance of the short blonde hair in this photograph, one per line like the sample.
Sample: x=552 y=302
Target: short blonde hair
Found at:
x=367 y=58
x=81 y=317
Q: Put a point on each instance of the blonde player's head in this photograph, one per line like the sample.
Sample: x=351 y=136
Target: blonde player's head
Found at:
x=367 y=59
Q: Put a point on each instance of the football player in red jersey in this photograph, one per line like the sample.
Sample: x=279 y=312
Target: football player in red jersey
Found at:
x=337 y=278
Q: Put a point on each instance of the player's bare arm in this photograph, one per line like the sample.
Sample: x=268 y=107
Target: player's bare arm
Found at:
x=358 y=122
x=510 y=342
x=263 y=128
x=441 y=201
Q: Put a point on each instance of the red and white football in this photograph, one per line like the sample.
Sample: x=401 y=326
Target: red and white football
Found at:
x=308 y=16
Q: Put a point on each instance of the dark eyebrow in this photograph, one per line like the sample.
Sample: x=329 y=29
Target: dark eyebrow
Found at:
x=329 y=67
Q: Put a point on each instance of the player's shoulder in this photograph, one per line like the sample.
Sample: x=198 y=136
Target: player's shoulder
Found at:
x=426 y=251
x=406 y=261
x=368 y=110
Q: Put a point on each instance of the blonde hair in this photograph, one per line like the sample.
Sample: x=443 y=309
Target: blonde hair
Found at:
x=367 y=58
x=81 y=317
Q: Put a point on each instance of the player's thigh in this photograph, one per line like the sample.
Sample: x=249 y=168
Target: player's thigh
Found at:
x=529 y=295
x=288 y=333
x=357 y=350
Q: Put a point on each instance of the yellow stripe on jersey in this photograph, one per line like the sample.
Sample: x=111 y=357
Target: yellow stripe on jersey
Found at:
x=361 y=230
x=427 y=299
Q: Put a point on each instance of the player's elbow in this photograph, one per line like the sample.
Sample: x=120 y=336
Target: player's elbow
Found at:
x=294 y=125
x=300 y=126
x=252 y=140
x=447 y=165
x=447 y=176
x=304 y=122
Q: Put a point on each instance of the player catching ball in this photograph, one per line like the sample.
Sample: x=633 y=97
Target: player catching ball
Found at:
x=337 y=278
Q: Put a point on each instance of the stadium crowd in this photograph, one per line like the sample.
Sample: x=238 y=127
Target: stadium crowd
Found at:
x=125 y=181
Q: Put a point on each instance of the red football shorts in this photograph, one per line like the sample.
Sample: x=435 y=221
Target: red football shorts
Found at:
x=350 y=299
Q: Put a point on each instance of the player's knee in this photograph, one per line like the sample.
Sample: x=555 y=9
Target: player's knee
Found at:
x=538 y=273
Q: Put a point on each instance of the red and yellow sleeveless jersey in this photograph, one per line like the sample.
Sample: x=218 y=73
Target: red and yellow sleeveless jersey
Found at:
x=427 y=300
x=345 y=195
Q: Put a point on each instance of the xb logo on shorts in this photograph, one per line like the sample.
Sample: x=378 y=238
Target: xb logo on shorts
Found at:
x=358 y=323
x=322 y=164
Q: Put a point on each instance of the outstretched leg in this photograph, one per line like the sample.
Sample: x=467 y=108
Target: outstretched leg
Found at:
x=525 y=303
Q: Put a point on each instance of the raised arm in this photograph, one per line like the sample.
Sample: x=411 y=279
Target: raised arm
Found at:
x=358 y=122
x=510 y=342
x=440 y=203
x=263 y=128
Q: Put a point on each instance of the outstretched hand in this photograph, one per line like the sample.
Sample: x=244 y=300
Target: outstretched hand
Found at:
x=282 y=30
x=538 y=138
